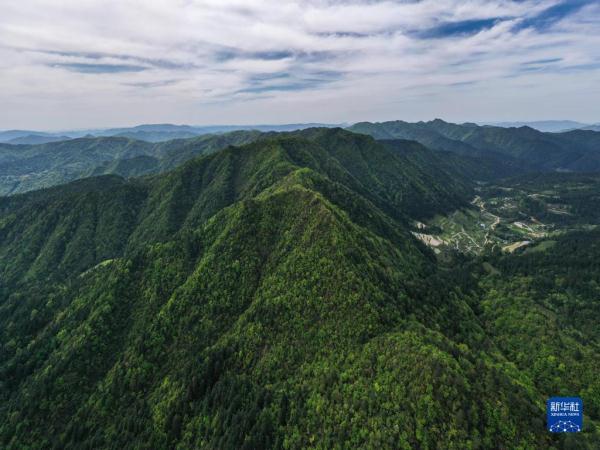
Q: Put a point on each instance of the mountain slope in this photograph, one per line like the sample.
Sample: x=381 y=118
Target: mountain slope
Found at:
x=553 y=292
x=522 y=149
x=197 y=190
x=248 y=363
x=35 y=139
x=28 y=167
x=264 y=296
x=551 y=126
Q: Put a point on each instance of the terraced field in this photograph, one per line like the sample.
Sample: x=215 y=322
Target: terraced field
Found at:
x=514 y=216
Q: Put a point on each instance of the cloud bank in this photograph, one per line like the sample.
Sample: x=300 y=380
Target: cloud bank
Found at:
x=83 y=63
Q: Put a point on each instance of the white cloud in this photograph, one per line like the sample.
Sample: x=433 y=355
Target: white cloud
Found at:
x=83 y=63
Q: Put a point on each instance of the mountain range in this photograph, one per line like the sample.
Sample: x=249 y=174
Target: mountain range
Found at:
x=592 y=127
x=165 y=132
x=493 y=151
x=551 y=126
x=27 y=167
x=272 y=290
x=147 y=132
x=524 y=147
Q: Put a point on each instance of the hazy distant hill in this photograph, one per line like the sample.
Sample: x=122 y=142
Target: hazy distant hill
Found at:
x=6 y=136
x=592 y=128
x=35 y=139
x=151 y=132
x=156 y=136
x=552 y=126
x=164 y=132
x=154 y=132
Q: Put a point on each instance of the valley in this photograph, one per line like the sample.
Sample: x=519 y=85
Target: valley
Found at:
x=514 y=216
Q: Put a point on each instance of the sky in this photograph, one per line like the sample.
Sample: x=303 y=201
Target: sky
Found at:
x=67 y=64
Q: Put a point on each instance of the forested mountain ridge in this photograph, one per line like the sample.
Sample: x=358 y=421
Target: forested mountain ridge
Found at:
x=28 y=167
x=264 y=296
x=493 y=152
x=148 y=132
x=155 y=208
x=577 y=150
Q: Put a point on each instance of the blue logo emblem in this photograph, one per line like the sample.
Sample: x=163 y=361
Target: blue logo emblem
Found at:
x=564 y=414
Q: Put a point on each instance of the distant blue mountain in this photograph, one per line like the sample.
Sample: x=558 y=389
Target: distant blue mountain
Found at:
x=166 y=132
x=9 y=135
x=35 y=139
x=551 y=126
x=592 y=127
x=150 y=132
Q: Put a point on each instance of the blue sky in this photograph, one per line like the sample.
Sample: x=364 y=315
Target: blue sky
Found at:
x=95 y=63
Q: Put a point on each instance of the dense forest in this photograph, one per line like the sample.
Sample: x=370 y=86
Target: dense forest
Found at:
x=485 y=152
x=522 y=149
x=272 y=294
x=27 y=167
